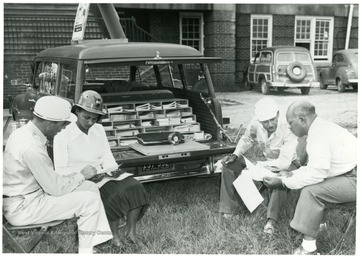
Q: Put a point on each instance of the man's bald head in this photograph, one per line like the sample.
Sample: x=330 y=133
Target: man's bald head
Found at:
x=301 y=107
x=300 y=115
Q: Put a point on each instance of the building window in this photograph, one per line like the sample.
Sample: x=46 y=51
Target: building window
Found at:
x=191 y=30
x=261 y=33
x=315 y=34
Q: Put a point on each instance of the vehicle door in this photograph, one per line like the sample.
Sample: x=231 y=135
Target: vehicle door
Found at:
x=252 y=69
x=263 y=67
x=337 y=62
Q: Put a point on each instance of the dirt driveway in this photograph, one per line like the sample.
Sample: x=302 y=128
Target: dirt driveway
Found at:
x=340 y=108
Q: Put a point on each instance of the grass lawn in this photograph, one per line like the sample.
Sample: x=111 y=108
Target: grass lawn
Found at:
x=183 y=218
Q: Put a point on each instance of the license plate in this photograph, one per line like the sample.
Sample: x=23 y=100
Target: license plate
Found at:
x=156 y=166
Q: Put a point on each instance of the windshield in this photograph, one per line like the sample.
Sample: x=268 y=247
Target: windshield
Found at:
x=117 y=77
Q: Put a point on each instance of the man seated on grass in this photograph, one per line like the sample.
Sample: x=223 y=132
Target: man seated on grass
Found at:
x=329 y=177
x=278 y=147
x=34 y=193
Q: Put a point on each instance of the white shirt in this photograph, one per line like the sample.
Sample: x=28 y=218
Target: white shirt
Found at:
x=73 y=149
x=331 y=150
x=282 y=141
x=28 y=167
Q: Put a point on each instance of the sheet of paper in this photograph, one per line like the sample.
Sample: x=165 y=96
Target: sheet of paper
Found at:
x=247 y=190
x=101 y=169
x=258 y=172
x=106 y=179
x=218 y=167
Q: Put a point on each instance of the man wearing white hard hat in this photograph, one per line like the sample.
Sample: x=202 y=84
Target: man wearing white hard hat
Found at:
x=278 y=149
x=34 y=193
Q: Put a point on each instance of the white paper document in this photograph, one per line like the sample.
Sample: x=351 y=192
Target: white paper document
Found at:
x=257 y=172
x=247 y=190
x=106 y=179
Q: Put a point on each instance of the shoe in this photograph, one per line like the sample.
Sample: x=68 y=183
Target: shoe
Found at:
x=301 y=251
x=269 y=228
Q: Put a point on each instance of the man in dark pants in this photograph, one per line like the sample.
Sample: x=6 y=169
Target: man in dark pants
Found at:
x=278 y=147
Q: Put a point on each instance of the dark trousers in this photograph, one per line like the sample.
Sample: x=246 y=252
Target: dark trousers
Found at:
x=230 y=201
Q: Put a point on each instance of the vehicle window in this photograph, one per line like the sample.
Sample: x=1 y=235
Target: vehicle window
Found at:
x=265 y=57
x=116 y=77
x=302 y=57
x=67 y=81
x=48 y=77
x=106 y=78
x=285 y=57
x=170 y=77
x=195 y=78
x=339 y=58
x=257 y=58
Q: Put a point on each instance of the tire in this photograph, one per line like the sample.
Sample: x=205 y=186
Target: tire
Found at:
x=305 y=90
x=296 y=71
x=355 y=87
x=322 y=85
x=340 y=86
x=265 y=89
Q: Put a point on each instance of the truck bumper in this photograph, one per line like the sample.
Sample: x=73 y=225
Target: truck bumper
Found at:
x=292 y=85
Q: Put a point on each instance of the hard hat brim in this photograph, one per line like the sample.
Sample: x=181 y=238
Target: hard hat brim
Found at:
x=90 y=110
x=71 y=118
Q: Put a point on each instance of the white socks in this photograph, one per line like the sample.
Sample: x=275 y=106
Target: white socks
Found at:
x=86 y=250
x=309 y=245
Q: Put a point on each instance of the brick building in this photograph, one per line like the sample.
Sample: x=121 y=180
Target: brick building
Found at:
x=233 y=32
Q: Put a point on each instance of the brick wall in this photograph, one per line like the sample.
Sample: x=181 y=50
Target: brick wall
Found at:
x=164 y=25
x=30 y=28
x=219 y=41
x=242 y=44
x=283 y=30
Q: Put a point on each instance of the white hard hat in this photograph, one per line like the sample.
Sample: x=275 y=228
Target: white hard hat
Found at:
x=266 y=109
x=54 y=108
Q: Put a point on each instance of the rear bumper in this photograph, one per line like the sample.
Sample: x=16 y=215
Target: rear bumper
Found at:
x=154 y=168
x=353 y=81
x=295 y=85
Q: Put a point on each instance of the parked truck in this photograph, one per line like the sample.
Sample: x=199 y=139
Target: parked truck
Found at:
x=163 y=119
x=150 y=91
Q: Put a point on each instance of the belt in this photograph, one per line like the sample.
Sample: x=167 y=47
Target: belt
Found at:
x=14 y=196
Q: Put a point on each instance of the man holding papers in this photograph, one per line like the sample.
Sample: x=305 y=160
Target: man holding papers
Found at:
x=84 y=144
x=328 y=178
x=278 y=147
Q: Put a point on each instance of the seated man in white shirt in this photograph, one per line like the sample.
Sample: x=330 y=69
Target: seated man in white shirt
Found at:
x=34 y=193
x=278 y=148
x=328 y=178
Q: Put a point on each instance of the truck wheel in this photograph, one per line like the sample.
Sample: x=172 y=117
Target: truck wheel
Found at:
x=265 y=89
x=340 y=85
x=296 y=71
x=305 y=90
x=322 y=85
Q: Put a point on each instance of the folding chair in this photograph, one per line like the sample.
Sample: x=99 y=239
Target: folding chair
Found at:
x=37 y=236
